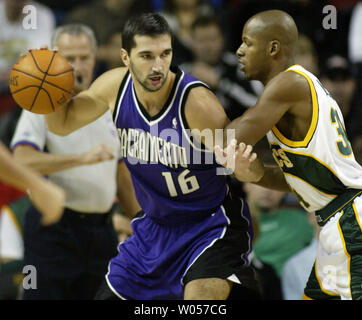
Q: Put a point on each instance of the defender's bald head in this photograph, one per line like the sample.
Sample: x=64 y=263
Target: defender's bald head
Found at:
x=274 y=25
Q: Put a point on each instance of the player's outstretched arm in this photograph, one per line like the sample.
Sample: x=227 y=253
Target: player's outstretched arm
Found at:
x=88 y=105
x=288 y=93
x=46 y=196
x=204 y=113
x=207 y=121
x=246 y=167
x=47 y=163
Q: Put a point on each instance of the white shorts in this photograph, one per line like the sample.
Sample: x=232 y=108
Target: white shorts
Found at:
x=337 y=272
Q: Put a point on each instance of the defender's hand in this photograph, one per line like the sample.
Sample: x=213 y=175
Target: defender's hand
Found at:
x=240 y=159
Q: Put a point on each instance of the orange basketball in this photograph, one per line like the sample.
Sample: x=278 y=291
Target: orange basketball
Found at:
x=41 y=81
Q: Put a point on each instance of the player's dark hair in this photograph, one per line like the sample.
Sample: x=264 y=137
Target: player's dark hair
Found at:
x=147 y=24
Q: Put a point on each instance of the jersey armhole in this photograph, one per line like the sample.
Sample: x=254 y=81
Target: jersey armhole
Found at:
x=25 y=143
x=313 y=125
x=120 y=93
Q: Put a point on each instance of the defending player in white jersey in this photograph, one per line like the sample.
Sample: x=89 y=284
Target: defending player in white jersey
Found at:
x=306 y=133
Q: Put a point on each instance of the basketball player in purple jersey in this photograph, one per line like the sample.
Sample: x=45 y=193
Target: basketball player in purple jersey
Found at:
x=193 y=237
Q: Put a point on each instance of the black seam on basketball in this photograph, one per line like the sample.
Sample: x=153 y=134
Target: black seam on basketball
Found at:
x=36 y=96
x=50 y=98
x=45 y=74
x=60 y=88
x=15 y=92
x=36 y=63
x=28 y=74
x=60 y=73
x=48 y=82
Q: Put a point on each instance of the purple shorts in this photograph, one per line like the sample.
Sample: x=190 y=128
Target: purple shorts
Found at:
x=158 y=260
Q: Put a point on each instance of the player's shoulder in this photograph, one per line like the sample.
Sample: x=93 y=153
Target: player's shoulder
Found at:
x=201 y=100
x=105 y=87
x=113 y=75
x=198 y=95
x=289 y=79
x=108 y=83
x=287 y=86
x=203 y=109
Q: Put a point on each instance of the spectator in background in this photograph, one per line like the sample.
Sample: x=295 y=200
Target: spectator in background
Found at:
x=343 y=4
x=220 y=69
x=307 y=14
x=12 y=220
x=338 y=79
x=8 y=194
x=306 y=54
x=61 y=7
x=297 y=268
x=180 y=15
x=15 y=39
x=109 y=53
x=283 y=231
x=106 y=18
x=12 y=217
x=357 y=148
x=355 y=57
x=355 y=36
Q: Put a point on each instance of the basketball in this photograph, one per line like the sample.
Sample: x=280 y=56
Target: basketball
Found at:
x=41 y=81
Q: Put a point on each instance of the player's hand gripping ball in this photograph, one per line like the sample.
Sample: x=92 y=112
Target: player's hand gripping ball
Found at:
x=41 y=81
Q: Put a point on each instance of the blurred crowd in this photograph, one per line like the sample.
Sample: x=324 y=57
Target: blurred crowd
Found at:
x=205 y=47
x=206 y=36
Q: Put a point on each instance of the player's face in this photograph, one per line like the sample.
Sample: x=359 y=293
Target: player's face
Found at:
x=252 y=53
x=149 y=61
x=208 y=44
x=79 y=53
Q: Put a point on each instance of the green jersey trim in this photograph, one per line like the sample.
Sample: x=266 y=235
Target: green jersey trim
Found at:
x=308 y=169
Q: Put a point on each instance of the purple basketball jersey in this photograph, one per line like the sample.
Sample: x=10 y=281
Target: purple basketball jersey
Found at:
x=174 y=176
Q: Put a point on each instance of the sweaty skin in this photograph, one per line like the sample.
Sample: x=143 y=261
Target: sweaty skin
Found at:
x=267 y=50
x=149 y=64
x=269 y=39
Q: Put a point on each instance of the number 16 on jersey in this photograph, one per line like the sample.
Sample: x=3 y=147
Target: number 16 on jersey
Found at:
x=186 y=184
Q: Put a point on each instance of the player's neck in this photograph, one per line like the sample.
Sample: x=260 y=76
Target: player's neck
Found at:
x=276 y=69
x=153 y=101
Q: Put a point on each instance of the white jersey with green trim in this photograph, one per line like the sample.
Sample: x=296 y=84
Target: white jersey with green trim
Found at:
x=322 y=165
